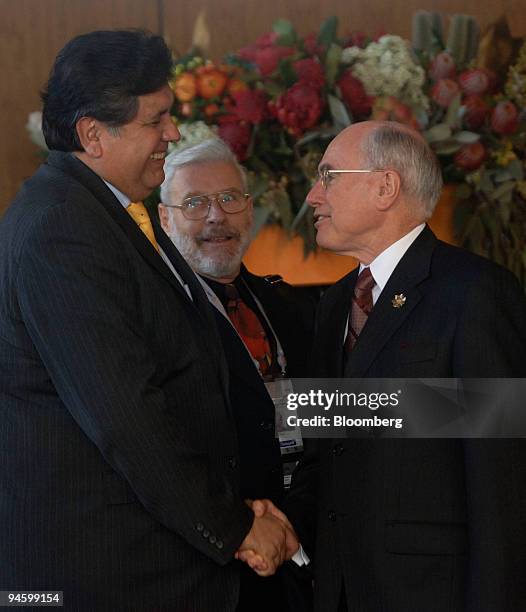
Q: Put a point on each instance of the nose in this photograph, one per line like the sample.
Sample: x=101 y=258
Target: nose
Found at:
x=316 y=195
x=170 y=130
x=215 y=213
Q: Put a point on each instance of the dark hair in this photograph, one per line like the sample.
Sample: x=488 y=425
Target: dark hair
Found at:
x=100 y=75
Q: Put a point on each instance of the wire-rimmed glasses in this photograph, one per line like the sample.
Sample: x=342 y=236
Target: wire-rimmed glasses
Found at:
x=325 y=174
x=197 y=207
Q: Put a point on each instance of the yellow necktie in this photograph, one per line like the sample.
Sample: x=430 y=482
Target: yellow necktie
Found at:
x=139 y=214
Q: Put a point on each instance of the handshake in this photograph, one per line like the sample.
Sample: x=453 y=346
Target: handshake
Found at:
x=271 y=540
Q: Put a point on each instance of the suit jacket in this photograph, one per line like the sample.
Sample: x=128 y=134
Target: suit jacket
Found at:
x=120 y=470
x=421 y=524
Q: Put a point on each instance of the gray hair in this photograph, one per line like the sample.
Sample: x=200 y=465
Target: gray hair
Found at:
x=395 y=147
x=209 y=150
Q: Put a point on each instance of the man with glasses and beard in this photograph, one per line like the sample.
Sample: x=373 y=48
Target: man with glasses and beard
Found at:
x=264 y=327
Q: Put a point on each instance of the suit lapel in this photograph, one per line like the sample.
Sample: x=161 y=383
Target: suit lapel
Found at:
x=385 y=319
x=330 y=326
x=91 y=181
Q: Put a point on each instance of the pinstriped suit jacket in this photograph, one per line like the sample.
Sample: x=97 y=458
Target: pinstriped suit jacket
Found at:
x=119 y=479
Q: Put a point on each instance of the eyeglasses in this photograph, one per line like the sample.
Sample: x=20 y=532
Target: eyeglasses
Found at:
x=198 y=206
x=325 y=175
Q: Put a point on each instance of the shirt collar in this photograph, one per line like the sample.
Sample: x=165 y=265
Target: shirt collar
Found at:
x=384 y=264
x=123 y=199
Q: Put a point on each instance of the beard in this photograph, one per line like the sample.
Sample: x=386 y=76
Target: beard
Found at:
x=225 y=261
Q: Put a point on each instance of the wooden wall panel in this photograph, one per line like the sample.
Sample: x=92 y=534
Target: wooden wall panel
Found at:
x=234 y=23
x=31 y=34
x=32 y=31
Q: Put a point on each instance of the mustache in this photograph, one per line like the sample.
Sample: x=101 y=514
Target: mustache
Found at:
x=218 y=233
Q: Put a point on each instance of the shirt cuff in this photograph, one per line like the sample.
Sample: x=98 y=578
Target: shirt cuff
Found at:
x=300 y=557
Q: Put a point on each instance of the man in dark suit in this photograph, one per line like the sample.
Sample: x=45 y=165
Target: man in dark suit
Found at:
x=264 y=326
x=410 y=524
x=120 y=480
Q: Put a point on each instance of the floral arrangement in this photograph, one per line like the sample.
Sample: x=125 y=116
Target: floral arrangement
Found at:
x=279 y=101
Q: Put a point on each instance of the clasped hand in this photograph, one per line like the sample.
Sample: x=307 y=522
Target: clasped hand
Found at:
x=271 y=540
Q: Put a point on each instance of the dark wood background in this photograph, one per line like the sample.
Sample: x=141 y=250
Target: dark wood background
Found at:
x=33 y=31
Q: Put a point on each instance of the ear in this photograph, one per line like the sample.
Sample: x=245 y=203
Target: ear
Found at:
x=89 y=132
x=388 y=189
x=164 y=217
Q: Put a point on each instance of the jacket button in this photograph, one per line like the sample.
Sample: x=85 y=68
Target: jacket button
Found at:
x=219 y=544
x=337 y=450
x=212 y=539
x=199 y=526
x=205 y=533
x=331 y=515
x=232 y=462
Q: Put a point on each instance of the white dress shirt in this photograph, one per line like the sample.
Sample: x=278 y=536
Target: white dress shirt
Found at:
x=384 y=264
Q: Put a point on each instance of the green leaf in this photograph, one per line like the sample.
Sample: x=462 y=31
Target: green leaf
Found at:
x=486 y=184
x=463 y=192
x=328 y=31
x=273 y=89
x=299 y=216
x=284 y=206
x=502 y=175
x=503 y=190
x=285 y=31
x=447 y=147
x=261 y=214
x=515 y=168
x=438 y=132
x=339 y=113
x=452 y=113
x=504 y=213
x=332 y=63
x=287 y=72
x=466 y=137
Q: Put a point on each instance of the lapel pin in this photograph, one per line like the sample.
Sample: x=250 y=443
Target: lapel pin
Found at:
x=399 y=300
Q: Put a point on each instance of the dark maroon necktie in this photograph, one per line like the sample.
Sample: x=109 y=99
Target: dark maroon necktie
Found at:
x=362 y=304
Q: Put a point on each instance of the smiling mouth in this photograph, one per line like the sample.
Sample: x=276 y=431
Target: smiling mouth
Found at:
x=217 y=239
x=319 y=218
x=158 y=156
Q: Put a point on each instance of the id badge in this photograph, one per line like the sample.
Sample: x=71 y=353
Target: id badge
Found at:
x=290 y=440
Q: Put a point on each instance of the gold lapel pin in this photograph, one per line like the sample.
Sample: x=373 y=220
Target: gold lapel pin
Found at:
x=399 y=300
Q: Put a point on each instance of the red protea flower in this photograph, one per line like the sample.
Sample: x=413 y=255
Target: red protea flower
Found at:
x=505 y=118
x=354 y=95
x=268 y=58
x=310 y=72
x=355 y=39
x=236 y=134
x=470 y=156
x=442 y=67
x=250 y=105
x=298 y=109
x=476 y=112
x=311 y=45
x=474 y=82
x=443 y=92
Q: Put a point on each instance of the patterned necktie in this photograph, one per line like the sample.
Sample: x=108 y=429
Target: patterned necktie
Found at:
x=139 y=214
x=249 y=327
x=362 y=304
